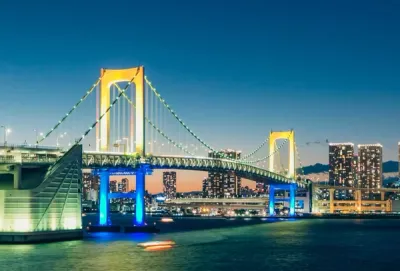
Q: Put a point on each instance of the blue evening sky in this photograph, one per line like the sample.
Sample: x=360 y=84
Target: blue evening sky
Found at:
x=233 y=70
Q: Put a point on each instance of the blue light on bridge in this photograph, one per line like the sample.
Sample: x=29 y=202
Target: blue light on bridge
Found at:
x=292 y=197
x=292 y=201
x=140 y=189
x=103 y=205
x=139 y=209
x=271 y=200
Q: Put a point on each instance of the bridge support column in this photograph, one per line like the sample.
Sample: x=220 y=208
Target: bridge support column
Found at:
x=16 y=171
x=331 y=199
x=140 y=208
x=271 y=200
x=382 y=196
x=292 y=199
x=104 y=203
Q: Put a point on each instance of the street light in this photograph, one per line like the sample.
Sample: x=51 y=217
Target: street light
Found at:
x=60 y=136
x=6 y=132
x=37 y=136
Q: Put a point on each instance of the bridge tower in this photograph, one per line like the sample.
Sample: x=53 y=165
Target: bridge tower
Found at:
x=288 y=135
x=137 y=133
x=136 y=136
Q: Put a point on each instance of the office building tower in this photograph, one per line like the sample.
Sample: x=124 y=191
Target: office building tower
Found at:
x=370 y=169
x=342 y=170
x=113 y=186
x=355 y=168
x=399 y=157
x=169 y=181
x=261 y=188
x=123 y=185
x=90 y=186
x=206 y=187
x=224 y=184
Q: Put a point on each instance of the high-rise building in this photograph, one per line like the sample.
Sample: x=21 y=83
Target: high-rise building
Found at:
x=208 y=188
x=113 y=186
x=169 y=181
x=123 y=185
x=370 y=169
x=399 y=157
x=342 y=169
x=223 y=184
x=90 y=186
x=261 y=188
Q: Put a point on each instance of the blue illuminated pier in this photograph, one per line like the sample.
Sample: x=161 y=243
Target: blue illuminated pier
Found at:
x=140 y=213
x=292 y=197
x=104 y=201
x=105 y=196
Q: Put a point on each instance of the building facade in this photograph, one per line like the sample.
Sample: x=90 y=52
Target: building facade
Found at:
x=222 y=184
x=90 y=186
x=261 y=188
x=370 y=169
x=342 y=168
x=169 y=184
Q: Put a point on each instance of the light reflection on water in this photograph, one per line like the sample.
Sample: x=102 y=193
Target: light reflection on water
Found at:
x=284 y=245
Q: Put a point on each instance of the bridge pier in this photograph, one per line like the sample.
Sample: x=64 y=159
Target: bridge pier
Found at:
x=140 y=208
x=292 y=197
x=16 y=171
x=292 y=200
x=271 y=200
x=104 y=203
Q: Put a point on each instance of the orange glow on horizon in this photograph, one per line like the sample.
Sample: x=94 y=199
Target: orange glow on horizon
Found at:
x=186 y=181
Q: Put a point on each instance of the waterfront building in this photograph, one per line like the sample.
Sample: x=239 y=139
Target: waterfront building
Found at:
x=370 y=169
x=223 y=184
x=169 y=181
x=113 y=186
x=90 y=186
x=342 y=169
x=261 y=188
x=123 y=185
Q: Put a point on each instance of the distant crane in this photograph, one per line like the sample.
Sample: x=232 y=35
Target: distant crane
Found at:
x=322 y=143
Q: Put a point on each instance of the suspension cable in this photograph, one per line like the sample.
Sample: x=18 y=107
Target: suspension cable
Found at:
x=282 y=168
x=107 y=110
x=225 y=156
x=256 y=150
x=268 y=156
x=175 y=115
x=73 y=108
x=153 y=125
x=298 y=159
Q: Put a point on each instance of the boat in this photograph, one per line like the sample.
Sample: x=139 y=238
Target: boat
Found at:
x=156 y=245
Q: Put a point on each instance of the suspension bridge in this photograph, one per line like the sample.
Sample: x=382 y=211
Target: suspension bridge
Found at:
x=152 y=135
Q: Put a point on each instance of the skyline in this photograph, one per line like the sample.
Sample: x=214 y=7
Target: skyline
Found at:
x=323 y=69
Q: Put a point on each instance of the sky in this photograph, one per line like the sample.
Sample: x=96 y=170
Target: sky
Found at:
x=327 y=69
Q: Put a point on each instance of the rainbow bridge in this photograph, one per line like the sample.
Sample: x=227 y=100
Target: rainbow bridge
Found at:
x=148 y=143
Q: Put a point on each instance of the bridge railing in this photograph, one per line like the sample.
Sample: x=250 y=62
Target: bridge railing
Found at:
x=7 y=159
x=48 y=160
x=33 y=160
x=30 y=147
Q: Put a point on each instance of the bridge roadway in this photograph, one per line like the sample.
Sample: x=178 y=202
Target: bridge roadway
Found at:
x=93 y=159
x=119 y=160
x=327 y=187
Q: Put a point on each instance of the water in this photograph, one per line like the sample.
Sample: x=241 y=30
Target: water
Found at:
x=283 y=245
